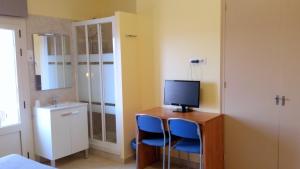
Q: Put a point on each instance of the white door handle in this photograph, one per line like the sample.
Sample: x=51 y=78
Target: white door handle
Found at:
x=284 y=99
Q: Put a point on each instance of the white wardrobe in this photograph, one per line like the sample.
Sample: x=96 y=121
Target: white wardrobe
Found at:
x=261 y=96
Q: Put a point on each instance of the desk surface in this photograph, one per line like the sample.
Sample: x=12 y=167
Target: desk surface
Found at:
x=165 y=113
x=212 y=134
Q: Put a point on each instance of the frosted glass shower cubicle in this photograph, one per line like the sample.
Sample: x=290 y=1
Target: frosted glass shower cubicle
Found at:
x=95 y=50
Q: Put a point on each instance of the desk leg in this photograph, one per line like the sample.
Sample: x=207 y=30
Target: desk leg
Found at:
x=146 y=155
x=213 y=144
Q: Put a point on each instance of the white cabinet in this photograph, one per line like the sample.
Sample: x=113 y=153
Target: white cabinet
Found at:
x=61 y=130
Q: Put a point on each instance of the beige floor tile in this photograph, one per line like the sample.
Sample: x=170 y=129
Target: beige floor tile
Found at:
x=98 y=162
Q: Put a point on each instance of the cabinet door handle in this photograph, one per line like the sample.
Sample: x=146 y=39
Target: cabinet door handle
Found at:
x=66 y=114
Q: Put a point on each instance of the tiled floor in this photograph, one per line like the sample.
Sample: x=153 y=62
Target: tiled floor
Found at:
x=93 y=162
x=98 y=162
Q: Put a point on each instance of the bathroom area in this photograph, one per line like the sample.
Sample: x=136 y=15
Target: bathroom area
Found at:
x=76 y=73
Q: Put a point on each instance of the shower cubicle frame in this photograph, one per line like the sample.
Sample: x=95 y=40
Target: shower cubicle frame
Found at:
x=114 y=148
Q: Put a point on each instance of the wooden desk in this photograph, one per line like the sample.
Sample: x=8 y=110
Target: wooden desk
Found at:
x=212 y=134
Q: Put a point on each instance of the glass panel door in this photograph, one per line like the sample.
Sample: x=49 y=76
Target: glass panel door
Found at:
x=95 y=71
x=96 y=80
x=83 y=70
x=9 y=99
x=13 y=89
x=108 y=82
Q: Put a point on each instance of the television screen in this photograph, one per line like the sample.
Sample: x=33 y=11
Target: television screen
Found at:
x=182 y=93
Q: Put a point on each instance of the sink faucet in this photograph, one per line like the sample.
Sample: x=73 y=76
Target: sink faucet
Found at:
x=54 y=100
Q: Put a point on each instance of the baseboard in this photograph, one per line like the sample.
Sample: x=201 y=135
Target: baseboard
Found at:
x=129 y=158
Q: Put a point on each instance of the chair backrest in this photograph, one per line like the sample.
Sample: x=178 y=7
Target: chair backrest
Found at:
x=184 y=128
x=149 y=123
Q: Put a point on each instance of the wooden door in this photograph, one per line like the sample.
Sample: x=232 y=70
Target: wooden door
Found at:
x=251 y=60
x=289 y=143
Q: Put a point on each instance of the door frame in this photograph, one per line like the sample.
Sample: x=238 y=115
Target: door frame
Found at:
x=25 y=128
x=222 y=56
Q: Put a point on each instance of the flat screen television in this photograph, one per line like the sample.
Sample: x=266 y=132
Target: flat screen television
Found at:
x=182 y=93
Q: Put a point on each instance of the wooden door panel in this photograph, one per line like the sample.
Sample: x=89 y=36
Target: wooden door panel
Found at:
x=289 y=143
x=251 y=59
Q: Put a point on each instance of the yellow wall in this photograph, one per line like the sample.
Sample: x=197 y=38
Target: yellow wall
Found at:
x=126 y=24
x=79 y=9
x=108 y=7
x=170 y=33
x=145 y=19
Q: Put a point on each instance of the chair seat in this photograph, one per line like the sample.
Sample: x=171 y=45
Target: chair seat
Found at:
x=188 y=146
x=157 y=142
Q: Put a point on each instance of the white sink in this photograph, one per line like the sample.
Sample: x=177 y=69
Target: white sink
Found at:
x=65 y=105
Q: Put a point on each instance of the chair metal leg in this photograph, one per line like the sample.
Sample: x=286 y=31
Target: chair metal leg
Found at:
x=164 y=156
x=137 y=149
x=201 y=162
x=169 y=158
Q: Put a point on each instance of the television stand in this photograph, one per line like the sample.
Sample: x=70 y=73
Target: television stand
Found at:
x=183 y=109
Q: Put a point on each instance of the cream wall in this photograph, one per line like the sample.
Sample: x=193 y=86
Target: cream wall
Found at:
x=145 y=50
x=79 y=9
x=169 y=35
x=69 y=9
x=109 y=7
x=126 y=24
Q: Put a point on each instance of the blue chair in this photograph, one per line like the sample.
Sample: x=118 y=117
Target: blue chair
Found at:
x=188 y=134
x=156 y=135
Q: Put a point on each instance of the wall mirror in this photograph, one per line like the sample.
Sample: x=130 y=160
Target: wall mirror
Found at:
x=52 y=56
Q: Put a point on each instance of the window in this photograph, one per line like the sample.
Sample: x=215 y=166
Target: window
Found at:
x=9 y=95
